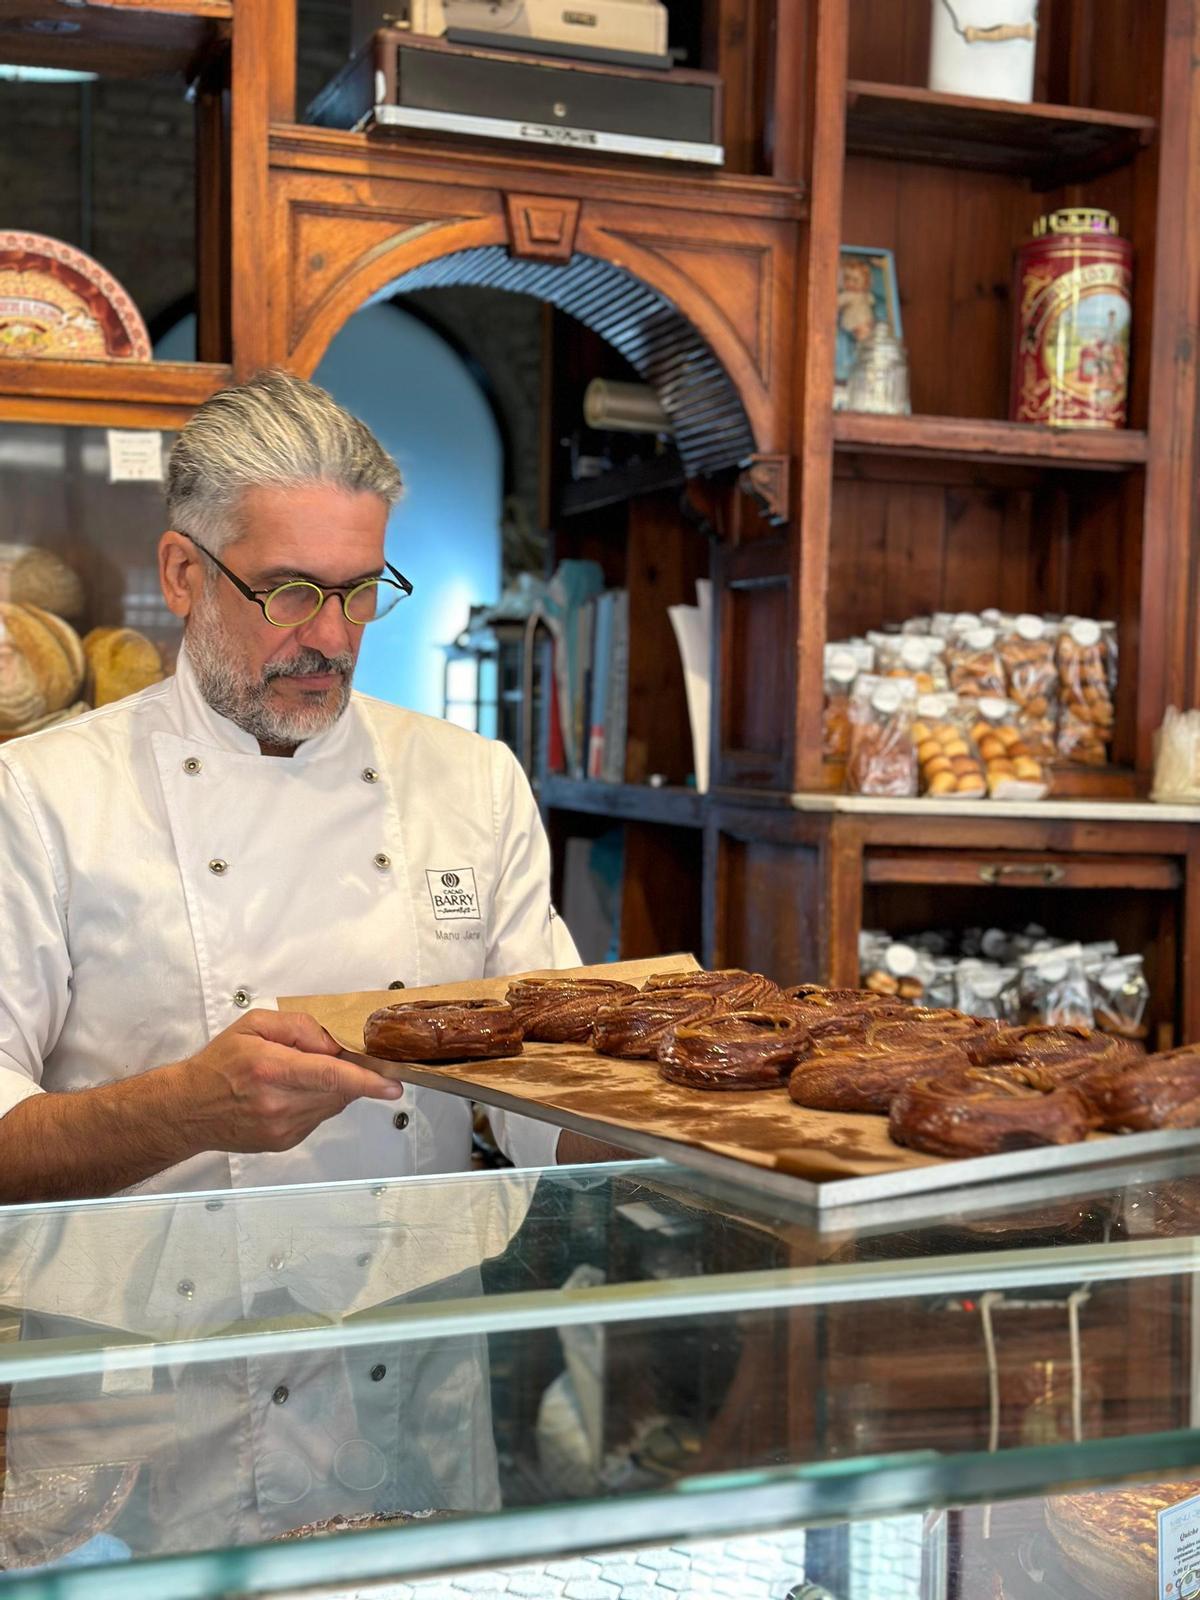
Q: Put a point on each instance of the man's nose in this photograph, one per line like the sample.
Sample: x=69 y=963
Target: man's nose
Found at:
x=328 y=631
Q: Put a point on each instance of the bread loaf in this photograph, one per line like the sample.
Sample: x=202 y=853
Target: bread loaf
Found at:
x=120 y=662
x=38 y=577
x=51 y=649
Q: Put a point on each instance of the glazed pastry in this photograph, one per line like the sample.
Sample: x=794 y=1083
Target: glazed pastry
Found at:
x=733 y=1050
x=735 y=989
x=1133 y=1095
x=822 y=999
x=1108 y=1538
x=984 y=1110
x=932 y=1028
x=442 y=1030
x=562 y=1010
x=868 y=1081
x=635 y=1029
x=1055 y=1053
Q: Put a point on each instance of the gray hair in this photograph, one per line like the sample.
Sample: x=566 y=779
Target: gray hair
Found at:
x=276 y=431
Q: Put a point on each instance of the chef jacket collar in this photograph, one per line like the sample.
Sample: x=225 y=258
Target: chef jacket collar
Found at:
x=197 y=720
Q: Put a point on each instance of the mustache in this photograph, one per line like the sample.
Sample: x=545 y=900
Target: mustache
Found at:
x=308 y=663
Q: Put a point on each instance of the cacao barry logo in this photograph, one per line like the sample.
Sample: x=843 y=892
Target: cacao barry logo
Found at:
x=453 y=893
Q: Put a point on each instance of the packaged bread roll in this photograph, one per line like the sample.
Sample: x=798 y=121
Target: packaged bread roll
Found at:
x=1013 y=771
x=1086 y=675
x=32 y=576
x=1028 y=652
x=883 y=757
x=974 y=663
x=843 y=663
x=120 y=662
x=949 y=763
x=911 y=655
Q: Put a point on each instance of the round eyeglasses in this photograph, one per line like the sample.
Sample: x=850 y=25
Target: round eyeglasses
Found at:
x=291 y=604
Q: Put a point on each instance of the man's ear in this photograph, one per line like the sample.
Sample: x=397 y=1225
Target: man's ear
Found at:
x=179 y=572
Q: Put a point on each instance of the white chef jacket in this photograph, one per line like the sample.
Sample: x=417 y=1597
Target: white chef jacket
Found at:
x=161 y=875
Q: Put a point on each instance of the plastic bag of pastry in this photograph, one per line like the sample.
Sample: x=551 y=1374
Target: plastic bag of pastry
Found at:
x=911 y=655
x=1177 y=757
x=883 y=758
x=1120 y=996
x=985 y=989
x=1086 y=678
x=1028 y=651
x=898 y=970
x=843 y=663
x=974 y=664
x=1013 y=772
x=950 y=765
x=1053 y=988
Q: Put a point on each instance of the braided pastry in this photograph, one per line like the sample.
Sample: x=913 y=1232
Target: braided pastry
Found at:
x=736 y=990
x=868 y=1081
x=1057 y=1052
x=441 y=1030
x=562 y=1010
x=985 y=1110
x=635 y=1028
x=932 y=1028
x=733 y=1050
x=1132 y=1096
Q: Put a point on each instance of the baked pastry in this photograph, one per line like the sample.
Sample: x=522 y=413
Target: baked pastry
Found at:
x=732 y=1050
x=443 y=1030
x=984 y=1110
x=932 y=1028
x=1108 y=1538
x=1053 y=1053
x=870 y=1080
x=736 y=990
x=562 y=1010
x=1133 y=1094
x=823 y=999
x=635 y=1028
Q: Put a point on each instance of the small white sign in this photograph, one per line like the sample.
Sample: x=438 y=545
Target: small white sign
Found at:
x=135 y=457
x=1179 y=1550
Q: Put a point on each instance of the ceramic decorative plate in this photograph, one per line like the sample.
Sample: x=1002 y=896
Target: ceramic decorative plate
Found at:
x=57 y=302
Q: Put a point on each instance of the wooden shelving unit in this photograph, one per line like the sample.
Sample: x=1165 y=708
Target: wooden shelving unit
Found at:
x=627 y=802
x=118 y=38
x=1049 y=145
x=130 y=394
x=982 y=440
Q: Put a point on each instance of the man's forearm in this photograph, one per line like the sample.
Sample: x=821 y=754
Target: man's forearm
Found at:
x=93 y=1142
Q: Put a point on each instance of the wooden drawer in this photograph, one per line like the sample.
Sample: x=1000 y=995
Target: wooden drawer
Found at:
x=1016 y=870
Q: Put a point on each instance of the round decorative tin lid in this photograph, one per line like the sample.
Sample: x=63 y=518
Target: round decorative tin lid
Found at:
x=59 y=303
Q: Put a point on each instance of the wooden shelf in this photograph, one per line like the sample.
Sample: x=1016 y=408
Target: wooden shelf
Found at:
x=628 y=802
x=119 y=38
x=1049 y=145
x=996 y=443
x=130 y=394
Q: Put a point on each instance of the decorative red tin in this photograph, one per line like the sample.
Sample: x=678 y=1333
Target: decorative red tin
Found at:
x=1073 y=295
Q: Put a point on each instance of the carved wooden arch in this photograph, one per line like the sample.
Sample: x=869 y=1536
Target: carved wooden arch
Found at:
x=722 y=254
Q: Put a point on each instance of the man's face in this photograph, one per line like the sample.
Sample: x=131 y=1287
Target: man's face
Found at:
x=285 y=685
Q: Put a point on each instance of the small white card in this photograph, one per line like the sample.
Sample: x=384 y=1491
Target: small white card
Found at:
x=1179 y=1550
x=135 y=457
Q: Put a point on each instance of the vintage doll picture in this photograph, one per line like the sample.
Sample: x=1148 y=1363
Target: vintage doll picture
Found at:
x=866 y=295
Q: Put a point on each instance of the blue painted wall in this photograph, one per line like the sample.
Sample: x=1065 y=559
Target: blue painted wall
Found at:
x=426 y=408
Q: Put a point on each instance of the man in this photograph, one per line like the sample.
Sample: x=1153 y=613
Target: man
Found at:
x=247 y=829
x=173 y=862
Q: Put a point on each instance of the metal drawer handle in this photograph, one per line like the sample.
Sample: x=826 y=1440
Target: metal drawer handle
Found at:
x=1041 y=871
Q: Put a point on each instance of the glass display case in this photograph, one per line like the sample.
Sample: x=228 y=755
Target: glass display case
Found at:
x=607 y=1383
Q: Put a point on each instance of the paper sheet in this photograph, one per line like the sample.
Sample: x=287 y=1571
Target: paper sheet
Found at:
x=693 y=634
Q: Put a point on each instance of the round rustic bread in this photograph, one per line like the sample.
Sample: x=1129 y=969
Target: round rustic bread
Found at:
x=120 y=662
x=43 y=649
x=38 y=577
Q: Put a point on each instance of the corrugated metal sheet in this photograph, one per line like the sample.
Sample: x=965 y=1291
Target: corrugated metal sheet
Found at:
x=711 y=428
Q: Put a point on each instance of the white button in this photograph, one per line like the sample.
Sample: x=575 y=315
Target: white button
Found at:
x=192 y=766
x=383 y=862
x=217 y=866
x=369 y=775
x=276 y=1263
x=241 y=998
x=186 y=1288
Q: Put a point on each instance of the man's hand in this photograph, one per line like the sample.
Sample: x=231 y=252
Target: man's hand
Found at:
x=266 y=1083
x=262 y=1085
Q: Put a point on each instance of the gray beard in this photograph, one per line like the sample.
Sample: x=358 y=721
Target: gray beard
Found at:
x=233 y=693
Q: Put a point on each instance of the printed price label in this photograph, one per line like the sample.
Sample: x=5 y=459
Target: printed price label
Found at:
x=135 y=457
x=1179 y=1550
